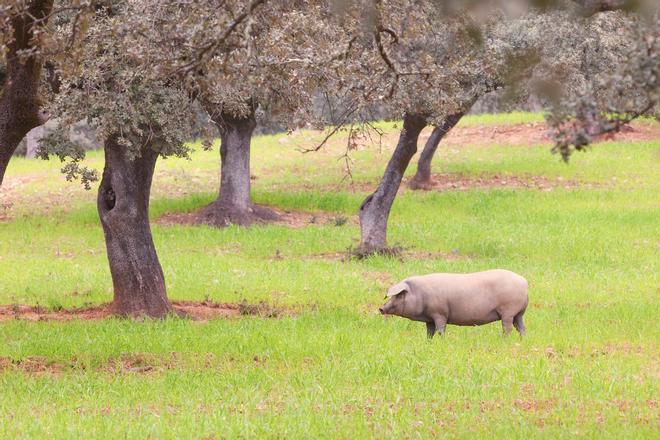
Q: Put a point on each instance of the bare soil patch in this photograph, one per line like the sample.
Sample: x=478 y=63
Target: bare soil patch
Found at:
x=606 y=350
x=198 y=311
x=534 y=134
x=301 y=219
x=398 y=253
x=219 y=214
x=462 y=182
x=136 y=363
x=454 y=255
x=332 y=256
x=126 y=363
x=176 y=218
x=290 y=218
x=35 y=365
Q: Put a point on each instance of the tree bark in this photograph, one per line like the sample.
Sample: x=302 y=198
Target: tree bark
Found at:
x=375 y=210
x=19 y=103
x=422 y=178
x=234 y=204
x=123 y=206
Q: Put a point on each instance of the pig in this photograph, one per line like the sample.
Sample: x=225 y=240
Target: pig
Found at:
x=460 y=299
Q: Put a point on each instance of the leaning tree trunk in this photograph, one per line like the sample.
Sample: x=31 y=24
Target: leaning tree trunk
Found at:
x=375 y=209
x=33 y=140
x=123 y=205
x=422 y=178
x=234 y=204
x=19 y=103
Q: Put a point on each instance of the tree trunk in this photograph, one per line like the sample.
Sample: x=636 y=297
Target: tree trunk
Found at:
x=375 y=210
x=234 y=203
x=33 y=139
x=19 y=103
x=123 y=205
x=422 y=178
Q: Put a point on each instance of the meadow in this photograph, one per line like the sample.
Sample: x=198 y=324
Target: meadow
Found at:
x=329 y=366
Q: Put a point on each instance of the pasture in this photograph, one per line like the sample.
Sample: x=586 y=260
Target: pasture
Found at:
x=313 y=358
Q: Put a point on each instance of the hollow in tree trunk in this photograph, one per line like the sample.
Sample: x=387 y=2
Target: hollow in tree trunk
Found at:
x=234 y=204
x=19 y=103
x=123 y=205
x=375 y=210
x=422 y=178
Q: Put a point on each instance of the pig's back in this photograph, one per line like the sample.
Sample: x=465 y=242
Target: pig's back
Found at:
x=495 y=279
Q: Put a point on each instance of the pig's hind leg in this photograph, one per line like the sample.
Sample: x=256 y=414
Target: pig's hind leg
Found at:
x=440 y=324
x=507 y=324
x=519 y=324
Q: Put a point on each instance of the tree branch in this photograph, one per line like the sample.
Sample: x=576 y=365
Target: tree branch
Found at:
x=210 y=48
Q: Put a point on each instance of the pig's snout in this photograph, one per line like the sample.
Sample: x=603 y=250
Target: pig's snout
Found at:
x=381 y=310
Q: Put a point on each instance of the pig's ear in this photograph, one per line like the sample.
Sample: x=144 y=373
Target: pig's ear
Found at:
x=397 y=288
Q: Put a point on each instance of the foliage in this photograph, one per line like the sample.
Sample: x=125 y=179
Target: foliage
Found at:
x=619 y=72
x=111 y=85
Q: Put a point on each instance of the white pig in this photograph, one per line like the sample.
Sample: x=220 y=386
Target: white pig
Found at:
x=461 y=299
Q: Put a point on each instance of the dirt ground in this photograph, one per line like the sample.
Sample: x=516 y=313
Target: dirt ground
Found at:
x=461 y=182
x=133 y=363
x=534 y=134
x=195 y=310
x=292 y=219
x=400 y=254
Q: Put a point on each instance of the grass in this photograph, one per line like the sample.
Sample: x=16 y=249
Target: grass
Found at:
x=587 y=368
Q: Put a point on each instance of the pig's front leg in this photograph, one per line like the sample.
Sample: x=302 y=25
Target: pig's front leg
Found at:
x=430 y=329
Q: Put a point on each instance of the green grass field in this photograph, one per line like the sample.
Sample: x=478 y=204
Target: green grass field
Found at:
x=588 y=366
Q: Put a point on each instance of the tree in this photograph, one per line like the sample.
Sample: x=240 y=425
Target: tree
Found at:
x=422 y=177
x=588 y=90
x=273 y=63
x=375 y=209
x=221 y=80
x=234 y=203
x=414 y=51
x=135 y=84
x=426 y=63
x=19 y=100
x=140 y=116
x=123 y=206
x=28 y=34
